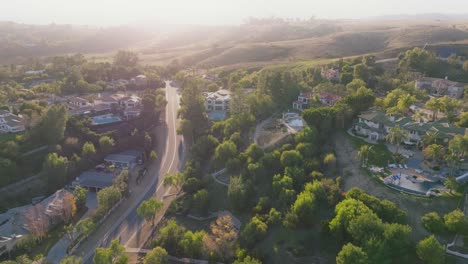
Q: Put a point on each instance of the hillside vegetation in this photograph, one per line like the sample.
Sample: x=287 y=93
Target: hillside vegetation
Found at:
x=257 y=42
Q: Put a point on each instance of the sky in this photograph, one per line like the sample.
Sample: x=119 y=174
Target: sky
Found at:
x=210 y=12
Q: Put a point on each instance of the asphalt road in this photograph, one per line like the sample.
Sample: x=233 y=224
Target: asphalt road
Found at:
x=124 y=223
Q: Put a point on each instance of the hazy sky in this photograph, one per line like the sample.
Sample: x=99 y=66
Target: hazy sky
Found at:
x=117 y=12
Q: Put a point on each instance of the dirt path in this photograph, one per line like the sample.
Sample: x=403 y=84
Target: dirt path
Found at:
x=348 y=164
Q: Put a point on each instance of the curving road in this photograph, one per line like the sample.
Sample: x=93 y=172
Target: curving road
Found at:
x=124 y=223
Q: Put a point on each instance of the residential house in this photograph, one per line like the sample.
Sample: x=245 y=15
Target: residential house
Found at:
x=126 y=159
x=328 y=98
x=140 y=80
x=330 y=74
x=375 y=125
x=218 y=101
x=14 y=225
x=10 y=123
x=441 y=87
x=78 y=102
x=96 y=179
x=303 y=101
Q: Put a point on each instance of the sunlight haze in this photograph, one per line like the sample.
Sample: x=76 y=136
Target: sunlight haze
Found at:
x=119 y=12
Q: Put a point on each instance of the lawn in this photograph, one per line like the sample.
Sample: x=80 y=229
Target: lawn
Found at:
x=380 y=156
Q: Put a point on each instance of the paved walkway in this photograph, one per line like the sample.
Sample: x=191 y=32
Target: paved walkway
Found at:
x=59 y=250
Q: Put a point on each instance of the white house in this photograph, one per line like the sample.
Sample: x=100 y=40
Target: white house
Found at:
x=140 y=80
x=303 y=100
x=218 y=101
x=10 y=123
x=78 y=102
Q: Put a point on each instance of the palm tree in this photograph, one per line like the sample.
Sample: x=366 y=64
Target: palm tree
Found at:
x=405 y=102
x=396 y=135
x=434 y=152
x=435 y=105
x=431 y=137
x=363 y=153
x=452 y=161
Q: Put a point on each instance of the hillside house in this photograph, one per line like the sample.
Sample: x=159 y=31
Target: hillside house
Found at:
x=303 y=101
x=10 y=123
x=218 y=101
x=140 y=80
x=440 y=87
x=328 y=99
x=376 y=125
x=330 y=74
x=78 y=102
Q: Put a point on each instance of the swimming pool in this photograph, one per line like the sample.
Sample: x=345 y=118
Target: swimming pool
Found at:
x=217 y=115
x=297 y=122
x=407 y=182
x=99 y=120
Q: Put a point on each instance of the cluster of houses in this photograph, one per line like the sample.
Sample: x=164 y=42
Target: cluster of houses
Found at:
x=441 y=87
x=304 y=100
x=375 y=124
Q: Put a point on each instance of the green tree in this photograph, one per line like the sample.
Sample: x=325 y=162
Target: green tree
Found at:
x=85 y=226
x=347 y=211
x=88 y=150
x=361 y=72
x=80 y=195
x=291 y=158
x=455 y=221
x=113 y=254
x=201 y=200
x=71 y=260
x=54 y=171
x=52 y=126
x=435 y=152
x=351 y=254
x=463 y=119
x=465 y=66
x=192 y=244
x=126 y=58
x=430 y=251
x=247 y=260
x=225 y=151
x=254 y=231
x=302 y=211
x=107 y=198
x=237 y=193
x=149 y=208
x=396 y=135
x=435 y=105
x=329 y=160
x=157 y=255
x=363 y=154
x=169 y=236
x=106 y=144
x=153 y=155
x=433 y=222
x=451 y=184
x=176 y=180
